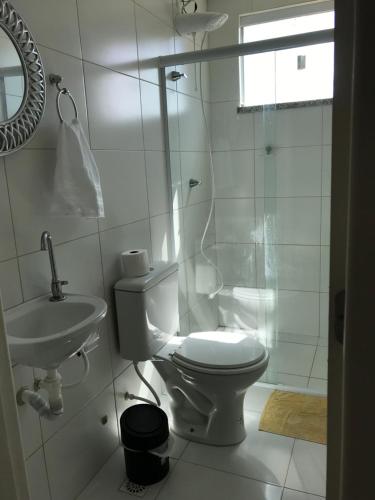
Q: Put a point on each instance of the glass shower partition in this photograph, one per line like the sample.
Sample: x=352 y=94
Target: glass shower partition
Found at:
x=264 y=239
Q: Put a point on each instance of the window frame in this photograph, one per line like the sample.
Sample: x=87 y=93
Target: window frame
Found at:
x=269 y=15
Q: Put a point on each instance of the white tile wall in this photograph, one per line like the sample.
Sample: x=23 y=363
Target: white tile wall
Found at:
x=193 y=135
x=157 y=182
x=223 y=88
x=72 y=70
x=237 y=263
x=289 y=127
x=298 y=312
x=294 y=220
x=30 y=174
x=79 y=263
x=108 y=34
x=114 y=109
x=234 y=174
x=295 y=267
x=291 y=358
x=8 y=248
x=100 y=49
x=123 y=178
x=235 y=220
x=152 y=117
x=79 y=450
x=326 y=219
x=28 y=419
x=327 y=124
x=235 y=132
x=195 y=218
x=326 y=170
x=159 y=8
x=173 y=125
x=63 y=33
x=195 y=165
x=161 y=238
x=294 y=172
x=11 y=292
x=37 y=476
x=150 y=28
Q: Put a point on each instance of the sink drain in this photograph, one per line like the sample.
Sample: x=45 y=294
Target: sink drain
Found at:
x=137 y=490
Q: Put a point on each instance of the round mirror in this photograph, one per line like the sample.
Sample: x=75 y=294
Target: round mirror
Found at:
x=12 y=80
x=22 y=83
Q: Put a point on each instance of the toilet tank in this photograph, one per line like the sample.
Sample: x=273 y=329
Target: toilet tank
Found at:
x=147 y=311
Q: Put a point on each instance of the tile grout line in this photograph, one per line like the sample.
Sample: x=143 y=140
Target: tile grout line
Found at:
x=290 y=461
x=11 y=212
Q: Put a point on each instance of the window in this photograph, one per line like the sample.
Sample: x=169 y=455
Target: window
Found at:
x=292 y=75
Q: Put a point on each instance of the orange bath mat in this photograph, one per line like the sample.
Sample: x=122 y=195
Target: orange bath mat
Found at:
x=296 y=415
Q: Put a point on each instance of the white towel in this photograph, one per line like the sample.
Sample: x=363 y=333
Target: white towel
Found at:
x=76 y=187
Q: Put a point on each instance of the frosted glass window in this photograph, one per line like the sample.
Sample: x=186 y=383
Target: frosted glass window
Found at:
x=292 y=75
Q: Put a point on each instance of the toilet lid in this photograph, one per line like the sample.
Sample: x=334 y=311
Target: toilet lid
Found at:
x=220 y=350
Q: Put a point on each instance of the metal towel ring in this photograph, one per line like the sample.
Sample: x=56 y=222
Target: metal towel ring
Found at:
x=57 y=80
x=65 y=91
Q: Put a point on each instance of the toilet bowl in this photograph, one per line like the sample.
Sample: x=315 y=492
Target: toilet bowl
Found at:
x=206 y=374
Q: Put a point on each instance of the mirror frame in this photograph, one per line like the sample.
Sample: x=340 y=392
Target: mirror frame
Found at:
x=18 y=130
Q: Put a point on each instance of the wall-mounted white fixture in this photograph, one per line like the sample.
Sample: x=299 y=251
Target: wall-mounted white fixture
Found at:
x=199 y=22
x=50 y=409
x=43 y=334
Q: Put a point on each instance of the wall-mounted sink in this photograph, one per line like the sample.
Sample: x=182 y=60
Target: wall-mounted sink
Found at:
x=43 y=334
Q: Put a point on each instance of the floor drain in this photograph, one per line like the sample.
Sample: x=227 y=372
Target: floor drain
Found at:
x=137 y=490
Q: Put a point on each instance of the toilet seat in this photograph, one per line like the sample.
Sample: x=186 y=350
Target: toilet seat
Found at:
x=223 y=352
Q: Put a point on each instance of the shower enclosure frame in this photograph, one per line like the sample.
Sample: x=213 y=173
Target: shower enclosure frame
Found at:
x=225 y=52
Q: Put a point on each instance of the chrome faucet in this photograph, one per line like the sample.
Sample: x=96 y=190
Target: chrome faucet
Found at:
x=56 y=284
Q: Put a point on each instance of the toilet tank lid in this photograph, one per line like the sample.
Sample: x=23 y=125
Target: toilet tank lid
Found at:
x=158 y=272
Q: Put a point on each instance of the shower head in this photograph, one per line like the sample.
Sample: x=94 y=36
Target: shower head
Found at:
x=199 y=21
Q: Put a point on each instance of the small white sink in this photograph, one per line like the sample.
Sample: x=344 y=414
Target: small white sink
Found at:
x=43 y=334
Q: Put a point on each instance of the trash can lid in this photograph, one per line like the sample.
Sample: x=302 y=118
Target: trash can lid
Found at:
x=144 y=427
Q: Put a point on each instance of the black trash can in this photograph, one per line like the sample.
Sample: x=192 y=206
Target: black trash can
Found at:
x=143 y=428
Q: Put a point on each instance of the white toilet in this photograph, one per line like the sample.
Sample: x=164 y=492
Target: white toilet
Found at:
x=206 y=374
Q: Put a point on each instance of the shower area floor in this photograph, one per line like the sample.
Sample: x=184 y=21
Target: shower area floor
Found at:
x=263 y=467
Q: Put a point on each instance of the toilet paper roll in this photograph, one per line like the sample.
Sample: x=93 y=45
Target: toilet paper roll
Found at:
x=135 y=263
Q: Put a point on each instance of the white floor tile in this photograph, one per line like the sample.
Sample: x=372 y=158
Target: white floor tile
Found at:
x=261 y=455
x=298 y=495
x=106 y=484
x=256 y=398
x=189 y=481
x=307 y=470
